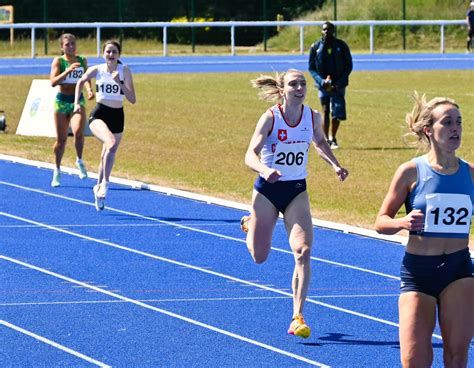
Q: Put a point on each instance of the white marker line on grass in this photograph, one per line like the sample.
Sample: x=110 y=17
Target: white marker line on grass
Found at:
x=204 y=270
x=168 y=313
x=132 y=214
x=52 y=343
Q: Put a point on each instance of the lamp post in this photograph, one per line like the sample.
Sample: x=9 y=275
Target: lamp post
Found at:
x=120 y=17
x=45 y=20
x=264 y=12
x=404 y=16
x=193 y=32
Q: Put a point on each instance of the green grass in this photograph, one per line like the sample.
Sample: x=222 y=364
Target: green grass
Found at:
x=191 y=131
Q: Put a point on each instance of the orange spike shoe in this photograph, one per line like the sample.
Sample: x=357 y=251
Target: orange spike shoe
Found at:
x=298 y=327
x=244 y=221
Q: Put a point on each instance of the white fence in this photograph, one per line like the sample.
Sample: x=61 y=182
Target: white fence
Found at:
x=232 y=25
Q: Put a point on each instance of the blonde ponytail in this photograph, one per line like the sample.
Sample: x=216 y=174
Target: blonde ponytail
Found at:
x=421 y=116
x=271 y=87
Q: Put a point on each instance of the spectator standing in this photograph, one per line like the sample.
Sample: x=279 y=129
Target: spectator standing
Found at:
x=330 y=63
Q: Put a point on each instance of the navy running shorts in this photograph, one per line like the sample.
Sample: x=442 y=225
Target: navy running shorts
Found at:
x=432 y=274
x=280 y=193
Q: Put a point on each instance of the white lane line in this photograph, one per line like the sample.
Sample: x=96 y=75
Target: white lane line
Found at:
x=204 y=270
x=348 y=229
x=52 y=343
x=168 y=313
x=187 y=300
x=170 y=223
x=222 y=224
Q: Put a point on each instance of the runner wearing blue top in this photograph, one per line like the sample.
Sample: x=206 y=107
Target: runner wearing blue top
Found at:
x=278 y=152
x=113 y=83
x=65 y=72
x=436 y=272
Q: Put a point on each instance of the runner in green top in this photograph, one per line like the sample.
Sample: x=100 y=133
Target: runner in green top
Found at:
x=66 y=70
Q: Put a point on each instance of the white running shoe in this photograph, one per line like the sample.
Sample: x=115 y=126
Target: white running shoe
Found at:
x=82 y=169
x=102 y=191
x=56 y=182
x=98 y=201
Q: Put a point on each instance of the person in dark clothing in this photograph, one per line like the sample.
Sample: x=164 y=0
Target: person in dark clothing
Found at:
x=470 y=27
x=330 y=63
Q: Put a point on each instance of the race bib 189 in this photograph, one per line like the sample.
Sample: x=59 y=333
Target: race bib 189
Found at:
x=448 y=213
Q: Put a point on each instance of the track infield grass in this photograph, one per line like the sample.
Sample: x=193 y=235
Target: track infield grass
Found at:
x=191 y=131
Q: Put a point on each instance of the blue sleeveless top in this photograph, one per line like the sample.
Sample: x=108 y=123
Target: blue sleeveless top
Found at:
x=445 y=200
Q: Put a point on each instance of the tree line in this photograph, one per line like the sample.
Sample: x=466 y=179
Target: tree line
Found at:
x=57 y=11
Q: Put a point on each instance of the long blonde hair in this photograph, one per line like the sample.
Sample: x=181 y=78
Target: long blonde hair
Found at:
x=272 y=86
x=421 y=116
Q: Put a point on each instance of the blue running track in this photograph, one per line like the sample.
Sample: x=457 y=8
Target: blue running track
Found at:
x=160 y=279
x=260 y=63
x=166 y=281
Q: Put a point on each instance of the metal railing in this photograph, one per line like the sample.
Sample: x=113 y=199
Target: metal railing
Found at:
x=232 y=25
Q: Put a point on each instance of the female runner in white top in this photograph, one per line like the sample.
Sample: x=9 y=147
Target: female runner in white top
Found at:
x=278 y=152
x=113 y=83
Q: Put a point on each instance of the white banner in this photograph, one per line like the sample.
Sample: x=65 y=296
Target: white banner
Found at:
x=37 y=118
